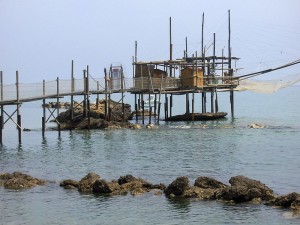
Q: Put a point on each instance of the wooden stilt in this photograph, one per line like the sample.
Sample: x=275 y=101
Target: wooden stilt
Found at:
x=1 y=130
x=72 y=90
x=171 y=104
x=193 y=107
x=150 y=114
x=143 y=111
x=155 y=105
x=187 y=104
x=57 y=103
x=19 y=128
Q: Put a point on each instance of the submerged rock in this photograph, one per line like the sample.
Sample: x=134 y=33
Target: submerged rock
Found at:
x=18 y=180
x=69 y=184
x=256 y=126
x=103 y=187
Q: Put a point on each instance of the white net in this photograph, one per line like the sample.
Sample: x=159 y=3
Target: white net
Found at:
x=267 y=86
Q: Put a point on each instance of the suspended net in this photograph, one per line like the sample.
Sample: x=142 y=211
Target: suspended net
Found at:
x=267 y=86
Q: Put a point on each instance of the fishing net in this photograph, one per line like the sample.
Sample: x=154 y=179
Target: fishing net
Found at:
x=267 y=86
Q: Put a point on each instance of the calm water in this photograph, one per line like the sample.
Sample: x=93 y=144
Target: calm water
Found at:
x=224 y=149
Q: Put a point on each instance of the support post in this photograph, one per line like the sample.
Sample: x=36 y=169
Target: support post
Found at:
x=187 y=103
x=72 y=90
x=106 y=91
x=18 y=109
x=193 y=107
x=143 y=111
x=2 y=109
x=44 y=110
x=171 y=104
x=1 y=130
x=57 y=104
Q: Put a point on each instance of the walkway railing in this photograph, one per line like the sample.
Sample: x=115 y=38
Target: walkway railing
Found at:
x=55 y=88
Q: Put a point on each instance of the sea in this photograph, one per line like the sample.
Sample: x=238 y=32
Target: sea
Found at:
x=220 y=149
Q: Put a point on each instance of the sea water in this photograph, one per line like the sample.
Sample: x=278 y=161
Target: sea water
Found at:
x=219 y=149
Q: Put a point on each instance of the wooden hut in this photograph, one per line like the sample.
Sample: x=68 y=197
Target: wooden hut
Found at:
x=192 y=77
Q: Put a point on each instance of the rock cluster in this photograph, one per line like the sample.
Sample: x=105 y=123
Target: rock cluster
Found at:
x=19 y=180
x=92 y=183
x=241 y=188
x=97 y=118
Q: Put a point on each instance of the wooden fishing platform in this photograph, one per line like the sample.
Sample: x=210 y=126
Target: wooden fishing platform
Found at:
x=189 y=76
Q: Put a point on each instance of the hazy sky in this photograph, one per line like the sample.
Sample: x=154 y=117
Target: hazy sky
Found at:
x=39 y=38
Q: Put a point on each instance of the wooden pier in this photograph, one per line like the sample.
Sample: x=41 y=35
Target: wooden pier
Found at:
x=190 y=75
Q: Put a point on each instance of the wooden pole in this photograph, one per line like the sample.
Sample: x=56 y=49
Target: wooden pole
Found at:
x=155 y=105
x=171 y=47
x=171 y=104
x=186 y=47
x=166 y=107
x=106 y=91
x=72 y=90
x=203 y=66
x=1 y=130
x=122 y=89
x=229 y=65
x=193 y=107
x=143 y=111
x=18 y=109
x=150 y=114
x=44 y=110
x=57 y=103
x=187 y=103
x=84 y=94
x=2 y=109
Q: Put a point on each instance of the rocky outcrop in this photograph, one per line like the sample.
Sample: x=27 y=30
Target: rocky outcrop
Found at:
x=92 y=183
x=96 y=118
x=244 y=189
x=18 y=180
x=208 y=182
x=178 y=186
x=86 y=184
x=291 y=201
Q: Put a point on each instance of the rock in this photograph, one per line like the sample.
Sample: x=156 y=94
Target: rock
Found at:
x=138 y=191
x=244 y=189
x=135 y=126
x=201 y=193
x=126 y=179
x=207 y=182
x=265 y=192
x=69 y=184
x=256 y=126
x=295 y=206
x=87 y=182
x=178 y=186
x=150 y=126
x=19 y=180
x=104 y=187
x=284 y=201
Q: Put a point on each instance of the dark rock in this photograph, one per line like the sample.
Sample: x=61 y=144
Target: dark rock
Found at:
x=178 y=186
x=126 y=179
x=19 y=180
x=238 y=194
x=104 y=187
x=155 y=186
x=87 y=182
x=201 y=193
x=295 y=206
x=284 y=201
x=69 y=184
x=241 y=181
x=207 y=182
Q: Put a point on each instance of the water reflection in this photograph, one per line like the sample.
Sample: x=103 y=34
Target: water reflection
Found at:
x=180 y=205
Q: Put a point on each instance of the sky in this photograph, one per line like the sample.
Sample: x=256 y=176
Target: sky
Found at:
x=40 y=38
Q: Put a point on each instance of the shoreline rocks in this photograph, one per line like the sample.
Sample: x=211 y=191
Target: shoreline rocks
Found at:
x=241 y=188
x=18 y=180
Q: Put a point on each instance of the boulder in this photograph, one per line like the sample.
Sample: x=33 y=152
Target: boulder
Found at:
x=69 y=184
x=244 y=189
x=285 y=201
x=178 y=186
x=19 y=180
x=126 y=179
x=256 y=126
x=104 y=187
x=87 y=182
x=207 y=182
